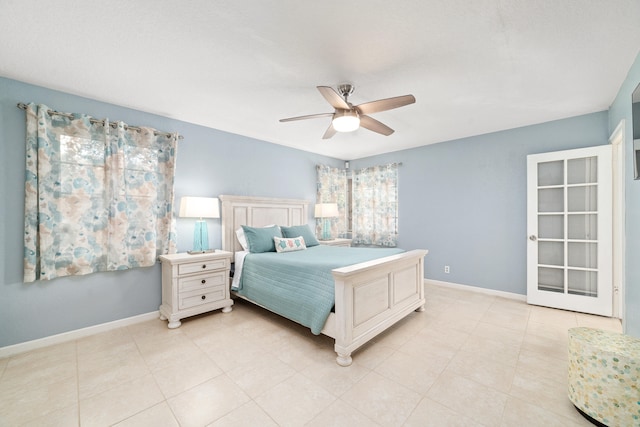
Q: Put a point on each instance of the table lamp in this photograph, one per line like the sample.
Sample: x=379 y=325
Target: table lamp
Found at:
x=325 y=211
x=199 y=207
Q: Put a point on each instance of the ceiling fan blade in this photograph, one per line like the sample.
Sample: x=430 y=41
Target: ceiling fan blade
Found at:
x=375 y=126
x=385 y=104
x=310 y=116
x=333 y=98
x=329 y=132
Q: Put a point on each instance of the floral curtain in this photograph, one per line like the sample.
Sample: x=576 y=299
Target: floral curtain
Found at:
x=98 y=196
x=375 y=206
x=332 y=188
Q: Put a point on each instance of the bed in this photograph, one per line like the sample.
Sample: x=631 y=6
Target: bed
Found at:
x=370 y=296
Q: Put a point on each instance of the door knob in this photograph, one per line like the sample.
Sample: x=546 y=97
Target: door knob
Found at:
x=533 y=238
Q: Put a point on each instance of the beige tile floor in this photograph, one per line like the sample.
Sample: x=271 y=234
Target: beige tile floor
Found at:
x=469 y=360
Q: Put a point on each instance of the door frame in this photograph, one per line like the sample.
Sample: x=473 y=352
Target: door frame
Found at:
x=618 y=191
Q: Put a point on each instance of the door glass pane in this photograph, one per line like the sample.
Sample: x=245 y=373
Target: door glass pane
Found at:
x=583 y=255
x=551 y=279
x=551 y=226
x=582 y=171
x=551 y=253
x=583 y=227
x=551 y=173
x=582 y=199
x=551 y=200
x=583 y=283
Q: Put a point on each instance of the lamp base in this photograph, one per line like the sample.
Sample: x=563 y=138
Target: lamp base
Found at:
x=326 y=229
x=200 y=238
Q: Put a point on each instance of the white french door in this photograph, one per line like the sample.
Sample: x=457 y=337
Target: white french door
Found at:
x=569 y=221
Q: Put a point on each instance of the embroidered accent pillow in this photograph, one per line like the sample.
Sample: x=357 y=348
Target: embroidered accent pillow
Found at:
x=289 y=244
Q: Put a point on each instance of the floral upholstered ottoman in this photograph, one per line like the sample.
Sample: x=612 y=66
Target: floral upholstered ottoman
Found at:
x=604 y=376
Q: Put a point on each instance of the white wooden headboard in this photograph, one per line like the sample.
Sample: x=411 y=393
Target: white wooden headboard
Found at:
x=258 y=212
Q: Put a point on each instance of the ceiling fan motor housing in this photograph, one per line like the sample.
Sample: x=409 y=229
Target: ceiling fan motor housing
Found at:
x=346 y=89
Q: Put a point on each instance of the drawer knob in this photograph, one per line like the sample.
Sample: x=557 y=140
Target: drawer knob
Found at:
x=204 y=265
x=204 y=297
x=204 y=281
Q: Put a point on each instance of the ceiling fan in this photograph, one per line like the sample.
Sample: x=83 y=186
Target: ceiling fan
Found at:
x=348 y=117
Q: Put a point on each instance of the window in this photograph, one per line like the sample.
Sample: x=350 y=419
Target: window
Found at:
x=375 y=205
x=332 y=188
x=97 y=197
x=350 y=205
x=367 y=201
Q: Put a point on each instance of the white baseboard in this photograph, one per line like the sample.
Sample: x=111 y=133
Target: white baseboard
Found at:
x=92 y=330
x=74 y=335
x=485 y=291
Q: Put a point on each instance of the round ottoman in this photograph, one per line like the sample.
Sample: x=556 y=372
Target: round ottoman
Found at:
x=604 y=376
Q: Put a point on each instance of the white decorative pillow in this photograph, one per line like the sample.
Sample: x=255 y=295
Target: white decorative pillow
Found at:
x=242 y=239
x=289 y=244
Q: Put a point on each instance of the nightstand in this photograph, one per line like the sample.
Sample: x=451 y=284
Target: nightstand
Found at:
x=194 y=284
x=336 y=242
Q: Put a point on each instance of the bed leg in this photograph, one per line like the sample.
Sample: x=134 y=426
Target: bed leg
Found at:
x=421 y=308
x=344 y=359
x=174 y=324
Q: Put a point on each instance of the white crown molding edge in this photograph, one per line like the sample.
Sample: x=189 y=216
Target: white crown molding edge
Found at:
x=14 y=349
x=493 y=292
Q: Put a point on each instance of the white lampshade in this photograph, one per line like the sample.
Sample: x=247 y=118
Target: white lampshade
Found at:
x=346 y=120
x=326 y=210
x=199 y=207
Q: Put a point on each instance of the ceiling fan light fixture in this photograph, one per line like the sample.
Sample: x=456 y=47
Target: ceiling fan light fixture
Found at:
x=348 y=117
x=346 y=121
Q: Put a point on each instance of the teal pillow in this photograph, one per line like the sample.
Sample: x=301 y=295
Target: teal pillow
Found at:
x=261 y=239
x=301 y=230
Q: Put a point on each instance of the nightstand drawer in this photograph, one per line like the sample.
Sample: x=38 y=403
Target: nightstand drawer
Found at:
x=194 y=267
x=201 y=281
x=195 y=298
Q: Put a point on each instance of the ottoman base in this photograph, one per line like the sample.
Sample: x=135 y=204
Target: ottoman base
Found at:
x=590 y=419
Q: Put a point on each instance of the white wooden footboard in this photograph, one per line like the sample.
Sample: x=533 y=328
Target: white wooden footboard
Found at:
x=372 y=296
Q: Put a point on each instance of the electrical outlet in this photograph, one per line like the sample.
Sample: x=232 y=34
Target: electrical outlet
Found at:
x=446 y=269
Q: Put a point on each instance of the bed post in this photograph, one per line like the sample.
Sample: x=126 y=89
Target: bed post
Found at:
x=421 y=275
x=344 y=318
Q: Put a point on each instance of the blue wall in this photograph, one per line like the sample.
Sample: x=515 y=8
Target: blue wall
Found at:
x=210 y=163
x=466 y=200
x=621 y=109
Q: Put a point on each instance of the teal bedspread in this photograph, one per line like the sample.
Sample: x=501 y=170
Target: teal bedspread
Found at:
x=299 y=285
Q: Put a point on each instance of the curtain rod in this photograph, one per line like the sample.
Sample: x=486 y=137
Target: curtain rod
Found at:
x=347 y=164
x=23 y=106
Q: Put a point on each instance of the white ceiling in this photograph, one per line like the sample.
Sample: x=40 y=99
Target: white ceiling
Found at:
x=474 y=66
